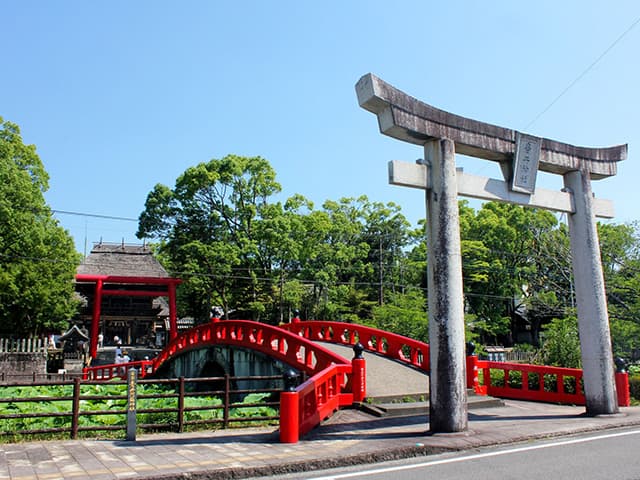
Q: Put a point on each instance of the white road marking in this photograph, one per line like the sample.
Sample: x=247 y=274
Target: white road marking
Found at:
x=476 y=456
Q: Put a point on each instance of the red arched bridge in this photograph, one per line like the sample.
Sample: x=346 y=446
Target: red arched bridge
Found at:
x=334 y=382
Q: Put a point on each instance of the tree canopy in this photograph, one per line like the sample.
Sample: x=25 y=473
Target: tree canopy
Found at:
x=37 y=257
x=223 y=230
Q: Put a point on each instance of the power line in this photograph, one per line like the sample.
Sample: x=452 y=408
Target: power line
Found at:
x=95 y=215
x=584 y=72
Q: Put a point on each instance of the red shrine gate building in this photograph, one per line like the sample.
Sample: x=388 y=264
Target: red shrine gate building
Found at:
x=127 y=294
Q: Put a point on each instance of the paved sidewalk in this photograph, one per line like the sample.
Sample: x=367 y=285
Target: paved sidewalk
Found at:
x=349 y=437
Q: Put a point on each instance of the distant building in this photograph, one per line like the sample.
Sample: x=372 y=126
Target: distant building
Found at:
x=127 y=294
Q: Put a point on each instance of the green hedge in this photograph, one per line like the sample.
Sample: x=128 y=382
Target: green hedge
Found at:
x=515 y=381
x=634 y=386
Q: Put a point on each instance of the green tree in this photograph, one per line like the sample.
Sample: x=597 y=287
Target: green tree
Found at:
x=221 y=231
x=501 y=247
x=38 y=259
x=404 y=314
x=210 y=228
x=387 y=234
x=620 y=250
x=354 y=251
x=561 y=344
x=334 y=258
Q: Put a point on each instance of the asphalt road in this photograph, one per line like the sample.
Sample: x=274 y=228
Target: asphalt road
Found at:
x=610 y=455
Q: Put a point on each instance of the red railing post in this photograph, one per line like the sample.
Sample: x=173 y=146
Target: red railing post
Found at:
x=358 y=375
x=622 y=387
x=473 y=380
x=290 y=409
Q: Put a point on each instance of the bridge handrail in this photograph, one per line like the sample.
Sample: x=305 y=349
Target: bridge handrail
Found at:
x=391 y=345
x=321 y=395
x=116 y=370
x=287 y=347
x=314 y=400
x=549 y=387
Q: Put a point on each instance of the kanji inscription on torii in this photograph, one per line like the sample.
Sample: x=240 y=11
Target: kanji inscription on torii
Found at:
x=442 y=135
x=525 y=163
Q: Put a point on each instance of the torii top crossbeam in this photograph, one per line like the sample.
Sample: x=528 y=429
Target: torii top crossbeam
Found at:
x=408 y=119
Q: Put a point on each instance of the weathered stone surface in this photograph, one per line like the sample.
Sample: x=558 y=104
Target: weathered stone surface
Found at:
x=591 y=300
x=442 y=134
x=417 y=176
x=406 y=118
x=23 y=363
x=447 y=380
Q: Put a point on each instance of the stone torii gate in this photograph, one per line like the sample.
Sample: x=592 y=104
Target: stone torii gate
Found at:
x=442 y=134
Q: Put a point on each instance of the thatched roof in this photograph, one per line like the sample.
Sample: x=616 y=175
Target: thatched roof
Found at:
x=121 y=259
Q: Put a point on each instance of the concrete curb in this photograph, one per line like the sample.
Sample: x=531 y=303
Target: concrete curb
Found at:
x=472 y=440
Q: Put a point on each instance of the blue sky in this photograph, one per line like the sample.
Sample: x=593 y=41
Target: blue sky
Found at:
x=118 y=96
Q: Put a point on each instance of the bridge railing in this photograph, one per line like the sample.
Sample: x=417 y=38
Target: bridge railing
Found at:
x=272 y=341
x=539 y=383
x=508 y=380
x=329 y=387
x=116 y=370
x=304 y=407
x=391 y=345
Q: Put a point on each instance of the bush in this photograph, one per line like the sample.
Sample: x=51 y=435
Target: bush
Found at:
x=561 y=345
x=634 y=386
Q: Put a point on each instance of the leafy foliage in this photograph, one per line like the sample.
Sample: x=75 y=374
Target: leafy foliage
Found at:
x=359 y=261
x=561 y=344
x=220 y=229
x=403 y=314
x=37 y=257
x=620 y=249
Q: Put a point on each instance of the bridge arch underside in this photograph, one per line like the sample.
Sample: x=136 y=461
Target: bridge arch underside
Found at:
x=219 y=360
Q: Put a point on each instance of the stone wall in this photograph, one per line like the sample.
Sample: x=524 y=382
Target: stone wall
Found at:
x=12 y=363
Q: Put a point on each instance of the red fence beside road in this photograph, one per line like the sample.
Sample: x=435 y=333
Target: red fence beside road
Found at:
x=539 y=383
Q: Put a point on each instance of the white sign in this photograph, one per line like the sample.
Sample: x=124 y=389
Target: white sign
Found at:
x=525 y=163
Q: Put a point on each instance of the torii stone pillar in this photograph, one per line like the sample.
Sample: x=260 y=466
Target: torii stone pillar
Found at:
x=520 y=156
x=591 y=300
x=447 y=382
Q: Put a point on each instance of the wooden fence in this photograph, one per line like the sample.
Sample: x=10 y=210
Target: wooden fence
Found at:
x=176 y=405
x=23 y=345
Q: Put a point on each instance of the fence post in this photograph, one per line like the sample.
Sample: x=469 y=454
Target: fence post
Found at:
x=358 y=374
x=181 y=405
x=132 y=399
x=289 y=409
x=75 y=409
x=227 y=401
